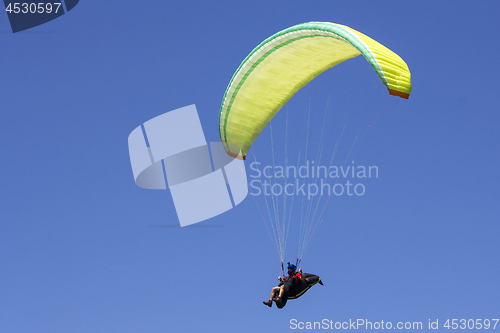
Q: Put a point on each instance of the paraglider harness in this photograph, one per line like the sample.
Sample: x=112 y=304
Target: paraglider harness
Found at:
x=293 y=287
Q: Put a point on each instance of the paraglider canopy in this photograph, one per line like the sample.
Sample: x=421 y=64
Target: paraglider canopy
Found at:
x=284 y=63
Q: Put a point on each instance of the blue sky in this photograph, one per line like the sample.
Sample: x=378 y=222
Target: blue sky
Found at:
x=83 y=249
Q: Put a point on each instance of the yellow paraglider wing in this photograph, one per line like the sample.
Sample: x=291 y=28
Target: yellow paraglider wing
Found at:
x=284 y=63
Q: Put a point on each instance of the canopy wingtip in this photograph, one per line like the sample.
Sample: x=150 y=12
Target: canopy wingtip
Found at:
x=236 y=156
x=399 y=93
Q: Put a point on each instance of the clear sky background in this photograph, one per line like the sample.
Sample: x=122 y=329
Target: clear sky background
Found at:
x=83 y=249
